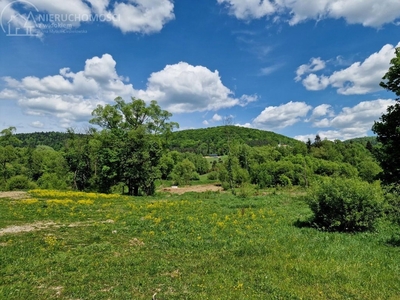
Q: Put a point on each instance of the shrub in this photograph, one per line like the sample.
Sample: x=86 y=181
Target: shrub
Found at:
x=19 y=182
x=392 y=195
x=195 y=176
x=51 y=182
x=212 y=175
x=346 y=205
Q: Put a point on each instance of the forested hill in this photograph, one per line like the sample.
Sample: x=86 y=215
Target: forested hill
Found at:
x=204 y=140
x=214 y=140
x=56 y=140
x=363 y=140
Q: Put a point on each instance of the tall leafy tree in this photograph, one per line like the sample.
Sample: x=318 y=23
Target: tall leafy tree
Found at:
x=388 y=128
x=132 y=139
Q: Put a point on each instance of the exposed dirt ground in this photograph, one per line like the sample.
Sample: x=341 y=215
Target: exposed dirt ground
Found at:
x=193 y=188
x=13 y=195
x=42 y=225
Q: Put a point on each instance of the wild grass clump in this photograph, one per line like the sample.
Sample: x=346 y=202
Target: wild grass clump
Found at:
x=346 y=205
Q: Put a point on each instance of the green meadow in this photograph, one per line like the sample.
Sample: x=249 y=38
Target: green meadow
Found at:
x=67 y=245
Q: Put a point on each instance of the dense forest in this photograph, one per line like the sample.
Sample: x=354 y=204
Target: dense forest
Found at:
x=134 y=153
x=215 y=140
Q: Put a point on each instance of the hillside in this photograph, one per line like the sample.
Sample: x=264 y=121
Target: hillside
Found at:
x=56 y=140
x=363 y=140
x=215 y=139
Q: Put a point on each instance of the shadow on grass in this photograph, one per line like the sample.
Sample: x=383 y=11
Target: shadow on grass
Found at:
x=394 y=241
x=308 y=223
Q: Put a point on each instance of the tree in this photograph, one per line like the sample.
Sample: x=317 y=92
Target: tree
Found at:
x=392 y=77
x=131 y=142
x=183 y=172
x=388 y=128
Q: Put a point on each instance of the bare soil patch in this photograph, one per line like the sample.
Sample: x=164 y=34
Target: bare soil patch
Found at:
x=193 y=188
x=13 y=195
x=13 y=229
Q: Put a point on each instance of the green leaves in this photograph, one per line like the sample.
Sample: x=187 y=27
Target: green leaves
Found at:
x=346 y=205
x=392 y=77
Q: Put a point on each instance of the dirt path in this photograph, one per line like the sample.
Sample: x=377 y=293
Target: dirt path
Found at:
x=193 y=188
x=13 y=195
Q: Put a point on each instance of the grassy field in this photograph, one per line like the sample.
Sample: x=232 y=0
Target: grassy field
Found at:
x=66 y=245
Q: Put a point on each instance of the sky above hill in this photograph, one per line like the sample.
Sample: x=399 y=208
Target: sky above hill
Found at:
x=295 y=67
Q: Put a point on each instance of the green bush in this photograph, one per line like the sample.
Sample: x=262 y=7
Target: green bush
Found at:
x=19 y=182
x=346 y=205
x=392 y=195
x=195 y=176
x=51 y=182
x=212 y=175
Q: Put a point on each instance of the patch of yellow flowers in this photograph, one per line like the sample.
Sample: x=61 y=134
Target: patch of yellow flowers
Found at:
x=72 y=194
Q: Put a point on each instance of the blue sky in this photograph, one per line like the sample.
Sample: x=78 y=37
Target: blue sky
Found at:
x=296 y=67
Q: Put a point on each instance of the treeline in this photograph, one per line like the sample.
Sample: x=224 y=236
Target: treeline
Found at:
x=132 y=160
x=55 y=140
x=300 y=165
x=203 y=141
x=215 y=140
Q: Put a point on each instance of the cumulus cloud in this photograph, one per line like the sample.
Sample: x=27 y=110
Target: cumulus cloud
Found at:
x=140 y=16
x=185 y=88
x=277 y=117
x=359 y=78
x=366 y=12
x=321 y=111
x=314 y=65
x=351 y=122
x=216 y=118
x=71 y=97
x=249 y=9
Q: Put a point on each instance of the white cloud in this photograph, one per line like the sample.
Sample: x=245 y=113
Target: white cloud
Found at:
x=216 y=118
x=142 y=16
x=205 y=122
x=246 y=125
x=183 y=88
x=269 y=70
x=359 y=78
x=277 y=117
x=315 y=83
x=249 y=9
x=351 y=122
x=71 y=97
x=316 y=64
x=365 y=12
x=322 y=110
x=37 y=124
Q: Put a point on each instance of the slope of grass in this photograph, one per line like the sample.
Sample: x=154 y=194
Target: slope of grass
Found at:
x=195 y=246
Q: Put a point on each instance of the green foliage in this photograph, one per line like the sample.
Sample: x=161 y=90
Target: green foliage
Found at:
x=183 y=172
x=391 y=80
x=346 y=205
x=388 y=132
x=213 y=175
x=19 y=182
x=388 y=129
x=392 y=195
x=214 y=140
x=52 y=181
x=131 y=145
x=55 y=140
